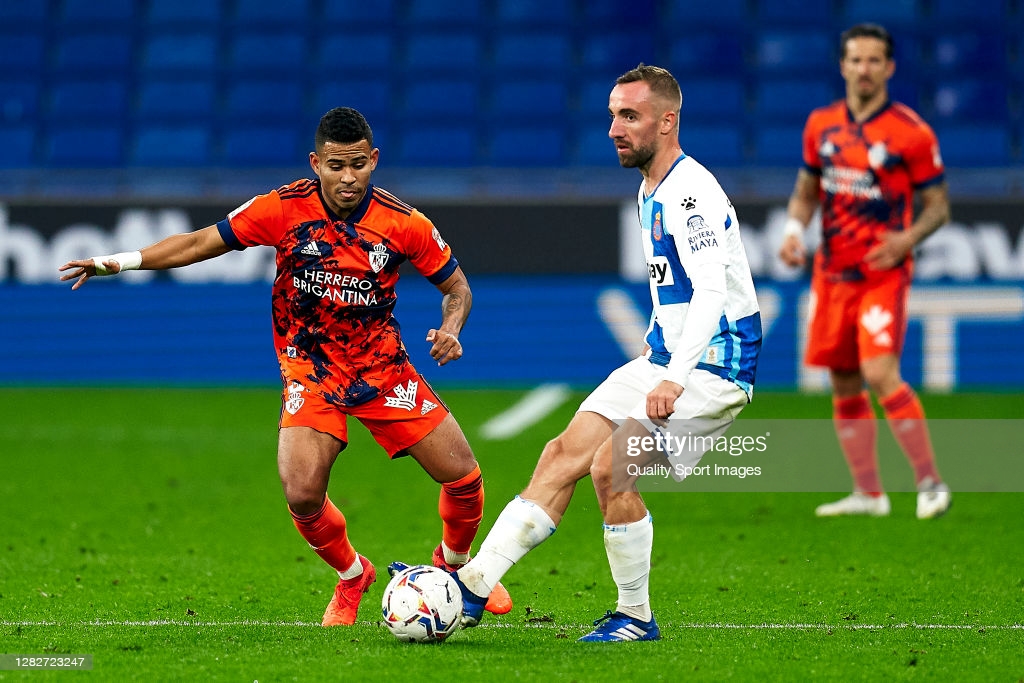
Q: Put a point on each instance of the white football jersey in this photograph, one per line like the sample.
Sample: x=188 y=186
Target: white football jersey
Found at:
x=686 y=221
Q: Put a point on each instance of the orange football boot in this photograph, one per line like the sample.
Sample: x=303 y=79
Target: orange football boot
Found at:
x=343 y=606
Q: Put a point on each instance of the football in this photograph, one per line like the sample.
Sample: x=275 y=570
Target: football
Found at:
x=422 y=604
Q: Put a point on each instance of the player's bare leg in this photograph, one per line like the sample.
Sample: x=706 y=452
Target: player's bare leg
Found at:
x=304 y=460
x=531 y=517
x=447 y=457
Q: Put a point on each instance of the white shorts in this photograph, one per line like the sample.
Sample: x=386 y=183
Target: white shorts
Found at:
x=706 y=408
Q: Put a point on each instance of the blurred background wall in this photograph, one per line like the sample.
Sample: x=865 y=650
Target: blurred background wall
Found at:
x=122 y=121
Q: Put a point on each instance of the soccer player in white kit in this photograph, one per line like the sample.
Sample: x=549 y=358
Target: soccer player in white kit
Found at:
x=698 y=365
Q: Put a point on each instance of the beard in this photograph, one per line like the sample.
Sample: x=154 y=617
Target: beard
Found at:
x=636 y=157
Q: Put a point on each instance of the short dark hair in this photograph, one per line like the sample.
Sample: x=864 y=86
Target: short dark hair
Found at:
x=659 y=80
x=866 y=31
x=342 y=124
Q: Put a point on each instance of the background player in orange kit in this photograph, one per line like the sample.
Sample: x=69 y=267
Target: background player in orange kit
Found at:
x=865 y=157
x=340 y=242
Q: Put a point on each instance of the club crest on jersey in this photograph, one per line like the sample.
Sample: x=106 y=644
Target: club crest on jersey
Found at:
x=379 y=257
x=878 y=155
x=294 y=400
x=656 y=230
x=404 y=396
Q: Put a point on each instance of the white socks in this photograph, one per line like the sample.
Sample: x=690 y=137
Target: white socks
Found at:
x=352 y=572
x=452 y=557
x=629 y=557
x=520 y=528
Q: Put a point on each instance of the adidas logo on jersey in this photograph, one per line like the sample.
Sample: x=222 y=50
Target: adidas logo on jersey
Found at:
x=427 y=406
x=311 y=250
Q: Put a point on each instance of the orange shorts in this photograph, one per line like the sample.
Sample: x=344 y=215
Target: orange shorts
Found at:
x=398 y=418
x=852 y=321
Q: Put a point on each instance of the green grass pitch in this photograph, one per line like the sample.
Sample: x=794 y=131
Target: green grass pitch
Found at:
x=146 y=527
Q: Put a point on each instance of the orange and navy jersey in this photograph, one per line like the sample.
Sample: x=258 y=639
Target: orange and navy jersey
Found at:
x=869 y=172
x=334 y=291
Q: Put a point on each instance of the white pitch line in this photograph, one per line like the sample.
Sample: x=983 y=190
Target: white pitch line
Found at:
x=100 y=623
x=537 y=404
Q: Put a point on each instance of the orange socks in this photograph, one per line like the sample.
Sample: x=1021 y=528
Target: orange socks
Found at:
x=906 y=419
x=461 y=507
x=324 y=530
x=857 y=431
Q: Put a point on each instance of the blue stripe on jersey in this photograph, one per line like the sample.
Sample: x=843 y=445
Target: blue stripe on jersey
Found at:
x=228 y=235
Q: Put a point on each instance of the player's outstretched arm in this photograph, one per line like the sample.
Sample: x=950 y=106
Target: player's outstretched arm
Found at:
x=455 y=306
x=175 y=251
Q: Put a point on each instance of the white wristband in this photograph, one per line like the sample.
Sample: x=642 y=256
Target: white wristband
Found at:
x=129 y=260
x=793 y=227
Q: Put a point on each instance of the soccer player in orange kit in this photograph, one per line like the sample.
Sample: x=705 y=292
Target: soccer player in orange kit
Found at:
x=340 y=242
x=865 y=157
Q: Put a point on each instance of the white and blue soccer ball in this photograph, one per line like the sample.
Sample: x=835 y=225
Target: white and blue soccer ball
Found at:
x=422 y=604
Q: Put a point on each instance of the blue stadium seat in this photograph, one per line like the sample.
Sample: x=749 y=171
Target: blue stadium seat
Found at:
x=514 y=99
x=592 y=98
x=803 y=51
x=593 y=147
x=950 y=14
x=23 y=14
x=906 y=91
x=438 y=146
x=443 y=51
x=161 y=100
x=264 y=146
x=726 y=14
x=616 y=14
x=271 y=13
x=779 y=145
x=106 y=14
x=441 y=98
x=19 y=102
x=535 y=51
x=889 y=13
x=721 y=100
x=972 y=99
x=181 y=52
x=264 y=51
x=791 y=100
x=527 y=146
x=187 y=145
x=380 y=12
x=370 y=95
x=76 y=100
x=87 y=146
x=338 y=54
x=186 y=13
x=795 y=12
x=974 y=144
x=967 y=53
x=17 y=146
x=21 y=54
x=699 y=55
x=263 y=100
x=615 y=52
x=535 y=13
x=443 y=12
x=713 y=145
x=108 y=53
